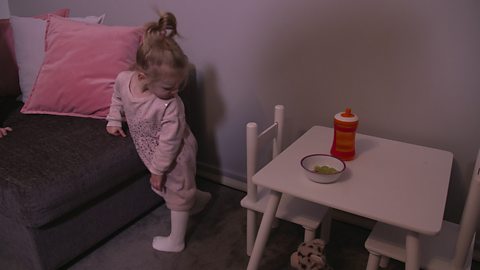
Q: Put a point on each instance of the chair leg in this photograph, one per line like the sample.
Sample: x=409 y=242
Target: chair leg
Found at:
x=310 y=234
x=384 y=262
x=325 y=228
x=251 y=230
x=373 y=261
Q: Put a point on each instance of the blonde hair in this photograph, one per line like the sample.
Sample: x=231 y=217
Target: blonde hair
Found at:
x=159 y=48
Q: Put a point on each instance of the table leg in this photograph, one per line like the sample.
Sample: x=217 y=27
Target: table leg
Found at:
x=264 y=230
x=412 y=245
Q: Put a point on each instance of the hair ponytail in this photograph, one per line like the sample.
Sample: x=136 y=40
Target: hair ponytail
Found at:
x=159 y=47
x=165 y=27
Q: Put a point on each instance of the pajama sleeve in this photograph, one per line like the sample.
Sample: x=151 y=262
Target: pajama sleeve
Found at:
x=170 y=138
x=114 y=116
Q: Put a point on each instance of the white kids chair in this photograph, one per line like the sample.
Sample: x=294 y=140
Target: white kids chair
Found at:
x=450 y=249
x=307 y=214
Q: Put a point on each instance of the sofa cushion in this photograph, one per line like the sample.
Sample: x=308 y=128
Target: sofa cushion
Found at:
x=51 y=165
x=29 y=44
x=9 y=85
x=7 y=105
x=69 y=85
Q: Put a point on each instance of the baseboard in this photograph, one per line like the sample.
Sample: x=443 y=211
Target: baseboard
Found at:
x=223 y=180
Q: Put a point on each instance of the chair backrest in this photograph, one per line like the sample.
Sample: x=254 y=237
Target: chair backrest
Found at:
x=468 y=223
x=273 y=134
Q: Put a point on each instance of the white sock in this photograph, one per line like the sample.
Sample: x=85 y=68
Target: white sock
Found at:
x=201 y=200
x=175 y=242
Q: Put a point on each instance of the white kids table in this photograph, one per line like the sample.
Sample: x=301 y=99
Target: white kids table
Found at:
x=397 y=183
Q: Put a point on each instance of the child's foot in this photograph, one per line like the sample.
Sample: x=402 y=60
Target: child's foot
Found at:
x=201 y=200
x=167 y=244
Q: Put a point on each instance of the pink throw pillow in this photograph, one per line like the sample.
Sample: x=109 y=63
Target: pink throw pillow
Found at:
x=81 y=63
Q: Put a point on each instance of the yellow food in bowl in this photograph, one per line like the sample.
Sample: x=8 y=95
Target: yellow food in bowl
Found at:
x=325 y=169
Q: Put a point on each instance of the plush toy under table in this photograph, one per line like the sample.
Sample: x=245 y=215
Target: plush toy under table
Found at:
x=310 y=256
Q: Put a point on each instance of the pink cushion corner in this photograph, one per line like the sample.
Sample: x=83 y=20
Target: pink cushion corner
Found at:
x=9 y=85
x=81 y=63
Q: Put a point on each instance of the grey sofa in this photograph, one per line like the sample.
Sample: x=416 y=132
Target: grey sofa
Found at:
x=65 y=185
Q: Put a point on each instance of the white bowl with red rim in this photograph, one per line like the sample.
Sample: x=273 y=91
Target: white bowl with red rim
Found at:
x=322 y=168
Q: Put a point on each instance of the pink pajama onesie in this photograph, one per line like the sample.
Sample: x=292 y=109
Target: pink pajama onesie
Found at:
x=162 y=138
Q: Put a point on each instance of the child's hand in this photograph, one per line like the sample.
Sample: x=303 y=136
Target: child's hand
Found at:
x=3 y=131
x=116 y=131
x=158 y=182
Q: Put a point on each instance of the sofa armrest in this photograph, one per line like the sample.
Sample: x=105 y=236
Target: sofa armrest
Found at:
x=7 y=106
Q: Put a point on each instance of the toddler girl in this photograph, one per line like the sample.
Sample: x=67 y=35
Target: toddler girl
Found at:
x=147 y=98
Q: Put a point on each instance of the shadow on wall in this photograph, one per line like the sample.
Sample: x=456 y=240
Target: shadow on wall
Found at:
x=373 y=59
x=207 y=113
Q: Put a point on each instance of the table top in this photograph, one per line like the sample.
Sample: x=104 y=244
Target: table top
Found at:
x=398 y=183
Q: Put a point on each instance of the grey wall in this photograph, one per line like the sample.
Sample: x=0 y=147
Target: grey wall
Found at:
x=4 y=9
x=409 y=69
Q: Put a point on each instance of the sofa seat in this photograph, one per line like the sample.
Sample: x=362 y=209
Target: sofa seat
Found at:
x=65 y=185
x=53 y=164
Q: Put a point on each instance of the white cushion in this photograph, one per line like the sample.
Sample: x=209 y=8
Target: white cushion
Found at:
x=29 y=43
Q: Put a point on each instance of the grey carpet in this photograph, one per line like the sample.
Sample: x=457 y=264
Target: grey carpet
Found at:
x=216 y=240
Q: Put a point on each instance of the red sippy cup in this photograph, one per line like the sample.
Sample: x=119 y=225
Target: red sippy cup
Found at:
x=345 y=126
